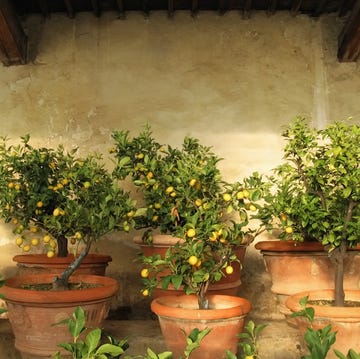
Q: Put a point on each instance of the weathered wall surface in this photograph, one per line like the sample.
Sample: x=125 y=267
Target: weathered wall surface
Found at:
x=228 y=81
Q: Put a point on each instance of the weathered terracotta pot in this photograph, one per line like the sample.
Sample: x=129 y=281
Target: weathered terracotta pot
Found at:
x=32 y=313
x=344 y=320
x=227 y=285
x=179 y=315
x=93 y=263
x=295 y=267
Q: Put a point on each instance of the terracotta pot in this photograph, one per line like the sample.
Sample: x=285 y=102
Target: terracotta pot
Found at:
x=94 y=264
x=32 y=313
x=295 y=267
x=344 y=320
x=227 y=285
x=178 y=316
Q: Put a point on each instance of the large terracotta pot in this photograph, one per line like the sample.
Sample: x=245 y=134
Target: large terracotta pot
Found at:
x=93 y=263
x=227 y=285
x=344 y=320
x=295 y=267
x=32 y=313
x=179 y=315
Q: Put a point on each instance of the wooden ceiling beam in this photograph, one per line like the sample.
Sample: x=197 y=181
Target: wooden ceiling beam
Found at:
x=349 y=39
x=194 y=7
x=272 y=7
x=222 y=7
x=247 y=9
x=96 y=7
x=345 y=6
x=170 y=8
x=121 y=8
x=319 y=8
x=295 y=7
x=69 y=9
x=44 y=7
x=13 y=41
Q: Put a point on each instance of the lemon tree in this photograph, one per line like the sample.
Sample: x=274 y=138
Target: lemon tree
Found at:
x=51 y=196
x=190 y=200
x=315 y=193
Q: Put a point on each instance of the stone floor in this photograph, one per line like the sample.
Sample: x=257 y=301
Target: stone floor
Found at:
x=277 y=341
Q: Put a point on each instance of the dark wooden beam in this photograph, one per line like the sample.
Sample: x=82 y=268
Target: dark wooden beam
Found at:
x=247 y=9
x=69 y=9
x=345 y=6
x=295 y=7
x=44 y=8
x=272 y=7
x=319 y=8
x=96 y=7
x=170 y=8
x=222 y=7
x=349 y=39
x=13 y=41
x=121 y=8
x=194 y=7
x=145 y=8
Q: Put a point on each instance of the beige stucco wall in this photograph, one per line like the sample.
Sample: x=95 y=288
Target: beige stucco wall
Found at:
x=228 y=81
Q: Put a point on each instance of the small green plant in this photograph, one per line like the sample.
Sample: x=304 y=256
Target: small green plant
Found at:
x=319 y=341
x=248 y=342
x=93 y=347
x=2 y=310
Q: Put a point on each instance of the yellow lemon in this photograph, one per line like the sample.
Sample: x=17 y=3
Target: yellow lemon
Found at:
x=169 y=189
x=288 y=230
x=11 y=185
x=198 y=202
x=227 y=197
x=193 y=260
x=229 y=269
x=39 y=204
x=191 y=232
x=56 y=212
x=144 y=273
x=50 y=254
x=46 y=238
x=26 y=248
x=252 y=208
x=19 y=241
x=145 y=292
x=240 y=195
x=35 y=242
x=192 y=182
x=246 y=193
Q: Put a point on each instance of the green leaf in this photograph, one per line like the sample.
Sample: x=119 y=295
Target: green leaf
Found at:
x=111 y=349
x=92 y=339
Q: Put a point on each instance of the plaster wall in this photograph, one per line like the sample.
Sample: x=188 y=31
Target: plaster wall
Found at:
x=233 y=83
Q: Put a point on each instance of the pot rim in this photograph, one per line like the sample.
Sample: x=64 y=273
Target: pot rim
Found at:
x=173 y=306
x=42 y=258
x=352 y=313
x=13 y=294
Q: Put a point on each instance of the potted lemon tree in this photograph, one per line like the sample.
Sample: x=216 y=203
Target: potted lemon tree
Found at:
x=57 y=195
x=182 y=194
x=321 y=177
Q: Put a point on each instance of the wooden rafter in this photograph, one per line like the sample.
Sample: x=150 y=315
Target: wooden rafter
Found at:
x=295 y=7
x=349 y=40
x=247 y=9
x=272 y=7
x=194 y=7
x=319 y=7
x=13 y=41
x=69 y=8
x=171 y=8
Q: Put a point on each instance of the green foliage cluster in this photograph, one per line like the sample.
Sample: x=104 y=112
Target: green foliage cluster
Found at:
x=184 y=195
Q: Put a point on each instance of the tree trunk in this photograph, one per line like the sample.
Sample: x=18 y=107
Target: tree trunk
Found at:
x=62 y=243
x=337 y=258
